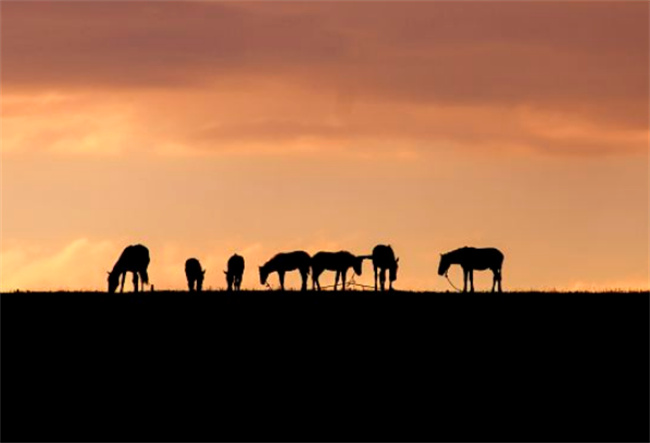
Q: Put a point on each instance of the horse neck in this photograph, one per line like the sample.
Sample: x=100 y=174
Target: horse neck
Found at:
x=455 y=258
x=118 y=268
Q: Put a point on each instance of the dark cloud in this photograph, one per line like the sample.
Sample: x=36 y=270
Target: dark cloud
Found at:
x=585 y=59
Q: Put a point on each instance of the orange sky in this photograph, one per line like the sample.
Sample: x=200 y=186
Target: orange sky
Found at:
x=208 y=128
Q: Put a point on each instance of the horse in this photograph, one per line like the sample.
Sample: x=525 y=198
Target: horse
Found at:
x=383 y=258
x=235 y=272
x=135 y=259
x=471 y=259
x=194 y=274
x=334 y=261
x=284 y=262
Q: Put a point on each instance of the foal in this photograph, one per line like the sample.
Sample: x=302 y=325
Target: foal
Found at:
x=194 y=274
x=235 y=272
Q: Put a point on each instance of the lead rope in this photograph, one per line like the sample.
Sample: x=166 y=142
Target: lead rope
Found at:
x=452 y=285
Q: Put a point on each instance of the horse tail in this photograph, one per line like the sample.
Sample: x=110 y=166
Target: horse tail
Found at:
x=145 y=276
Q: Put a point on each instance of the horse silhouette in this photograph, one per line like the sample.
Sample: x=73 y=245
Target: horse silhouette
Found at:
x=235 y=272
x=471 y=259
x=383 y=258
x=284 y=262
x=194 y=274
x=339 y=262
x=135 y=259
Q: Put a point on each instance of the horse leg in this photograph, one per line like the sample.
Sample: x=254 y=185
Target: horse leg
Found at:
x=345 y=271
x=281 y=277
x=316 y=277
x=471 y=279
x=375 y=267
x=122 y=285
x=304 y=273
x=499 y=280
x=465 y=276
x=135 y=282
x=382 y=279
x=336 y=280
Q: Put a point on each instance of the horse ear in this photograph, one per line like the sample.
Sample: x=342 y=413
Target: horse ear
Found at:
x=225 y=272
x=203 y=271
x=108 y=272
x=397 y=260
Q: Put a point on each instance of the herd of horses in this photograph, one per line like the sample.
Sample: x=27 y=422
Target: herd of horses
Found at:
x=135 y=259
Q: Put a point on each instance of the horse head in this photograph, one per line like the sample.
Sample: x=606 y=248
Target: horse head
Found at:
x=358 y=265
x=392 y=272
x=264 y=273
x=444 y=264
x=113 y=281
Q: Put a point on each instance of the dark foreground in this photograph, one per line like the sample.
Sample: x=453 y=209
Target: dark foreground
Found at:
x=267 y=366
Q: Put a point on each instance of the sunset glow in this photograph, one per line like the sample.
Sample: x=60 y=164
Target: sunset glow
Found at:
x=201 y=129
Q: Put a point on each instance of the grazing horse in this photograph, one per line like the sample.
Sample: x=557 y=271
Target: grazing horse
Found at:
x=473 y=258
x=194 y=274
x=287 y=261
x=383 y=258
x=235 y=272
x=135 y=259
x=334 y=261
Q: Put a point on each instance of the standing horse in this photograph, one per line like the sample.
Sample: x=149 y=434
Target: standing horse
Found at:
x=135 y=259
x=383 y=258
x=334 y=261
x=235 y=272
x=473 y=258
x=284 y=262
x=194 y=274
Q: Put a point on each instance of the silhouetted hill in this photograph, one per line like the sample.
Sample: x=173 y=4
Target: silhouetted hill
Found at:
x=272 y=366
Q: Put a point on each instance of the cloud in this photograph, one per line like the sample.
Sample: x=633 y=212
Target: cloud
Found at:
x=282 y=120
x=77 y=265
x=182 y=78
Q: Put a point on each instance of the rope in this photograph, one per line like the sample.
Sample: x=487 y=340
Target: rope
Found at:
x=351 y=284
x=453 y=285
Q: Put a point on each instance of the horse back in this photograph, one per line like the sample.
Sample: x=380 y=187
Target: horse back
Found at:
x=333 y=261
x=383 y=255
x=192 y=267
x=236 y=265
x=485 y=258
x=289 y=261
x=134 y=258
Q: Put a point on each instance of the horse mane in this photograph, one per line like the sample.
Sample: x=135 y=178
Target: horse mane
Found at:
x=455 y=251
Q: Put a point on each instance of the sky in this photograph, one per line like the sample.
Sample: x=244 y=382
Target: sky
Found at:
x=203 y=129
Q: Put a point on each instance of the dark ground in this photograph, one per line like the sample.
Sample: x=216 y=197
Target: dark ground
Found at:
x=262 y=366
